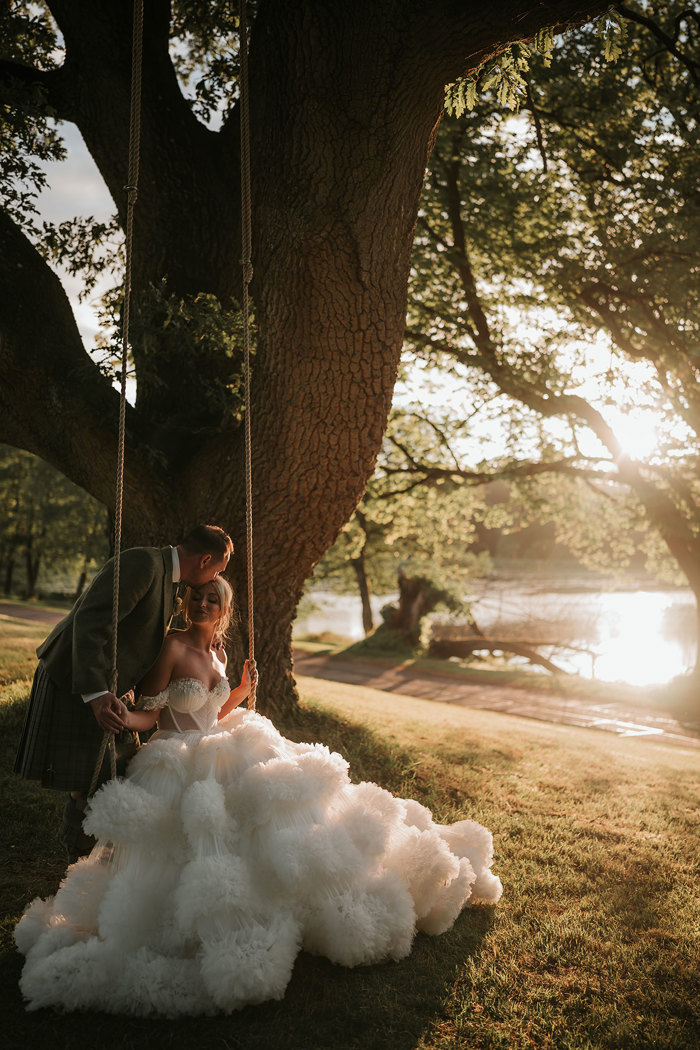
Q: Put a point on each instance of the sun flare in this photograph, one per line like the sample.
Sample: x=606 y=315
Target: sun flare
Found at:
x=637 y=431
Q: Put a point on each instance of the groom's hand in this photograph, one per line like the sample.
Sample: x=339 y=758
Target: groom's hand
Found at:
x=109 y=712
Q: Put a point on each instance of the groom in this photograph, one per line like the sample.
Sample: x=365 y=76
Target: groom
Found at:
x=71 y=704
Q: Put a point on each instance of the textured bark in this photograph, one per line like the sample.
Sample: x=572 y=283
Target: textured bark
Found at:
x=346 y=98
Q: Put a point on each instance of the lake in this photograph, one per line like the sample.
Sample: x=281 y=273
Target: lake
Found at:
x=644 y=637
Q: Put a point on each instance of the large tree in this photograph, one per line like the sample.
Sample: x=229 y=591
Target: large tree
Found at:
x=346 y=99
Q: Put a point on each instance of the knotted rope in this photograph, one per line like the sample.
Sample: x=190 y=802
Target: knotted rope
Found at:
x=247 y=266
x=132 y=193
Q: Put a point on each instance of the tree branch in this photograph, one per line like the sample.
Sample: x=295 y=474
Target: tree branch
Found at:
x=668 y=43
x=27 y=76
x=460 y=254
x=439 y=433
x=47 y=89
x=48 y=378
x=442 y=346
x=530 y=105
x=458 y=39
x=443 y=648
x=431 y=474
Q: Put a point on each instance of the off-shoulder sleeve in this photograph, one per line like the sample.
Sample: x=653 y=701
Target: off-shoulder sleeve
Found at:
x=150 y=703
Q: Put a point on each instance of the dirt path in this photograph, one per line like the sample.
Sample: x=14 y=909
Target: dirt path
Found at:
x=608 y=715
x=19 y=611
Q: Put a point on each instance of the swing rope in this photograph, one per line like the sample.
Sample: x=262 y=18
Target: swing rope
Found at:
x=132 y=193
x=247 y=267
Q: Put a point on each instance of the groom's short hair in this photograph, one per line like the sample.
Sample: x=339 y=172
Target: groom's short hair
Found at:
x=208 y=539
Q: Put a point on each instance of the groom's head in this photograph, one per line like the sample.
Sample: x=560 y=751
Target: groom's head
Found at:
x=203 y=553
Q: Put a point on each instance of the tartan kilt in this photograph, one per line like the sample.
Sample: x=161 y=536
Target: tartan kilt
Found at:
x=60 y=740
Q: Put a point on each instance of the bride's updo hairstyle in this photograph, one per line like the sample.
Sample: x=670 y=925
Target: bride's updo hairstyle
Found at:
x=224 y=592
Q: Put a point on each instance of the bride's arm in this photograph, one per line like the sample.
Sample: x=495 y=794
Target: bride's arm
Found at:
x=141 y=720
x=156 y=680
x=239 y=694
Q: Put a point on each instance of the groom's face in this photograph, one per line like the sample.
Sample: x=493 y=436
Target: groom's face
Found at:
x=202 y=569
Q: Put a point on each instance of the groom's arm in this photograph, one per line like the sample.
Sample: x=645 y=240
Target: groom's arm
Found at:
x=92 y=625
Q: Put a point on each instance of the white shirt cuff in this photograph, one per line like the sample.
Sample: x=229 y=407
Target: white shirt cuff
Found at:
x=87 y=697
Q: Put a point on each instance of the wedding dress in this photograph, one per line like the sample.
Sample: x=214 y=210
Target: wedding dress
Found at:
x=226 y=850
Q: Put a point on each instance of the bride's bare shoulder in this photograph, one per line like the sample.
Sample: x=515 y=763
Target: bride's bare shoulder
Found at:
x=174 y=642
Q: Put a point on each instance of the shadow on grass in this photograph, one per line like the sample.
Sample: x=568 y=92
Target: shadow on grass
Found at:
x=326 y=1007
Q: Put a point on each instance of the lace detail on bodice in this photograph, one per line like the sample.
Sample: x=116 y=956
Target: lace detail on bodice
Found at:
x=185 y=695
x=150 y=703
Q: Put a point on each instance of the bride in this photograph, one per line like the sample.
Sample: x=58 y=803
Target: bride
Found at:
x=228 y=848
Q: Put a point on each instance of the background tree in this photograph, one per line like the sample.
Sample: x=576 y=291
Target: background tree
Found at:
x=558 y=254
x=49 y=526
x=419 y=529
x=345 y=102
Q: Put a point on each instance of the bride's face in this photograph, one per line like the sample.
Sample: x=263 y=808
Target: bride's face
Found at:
x=203 y=605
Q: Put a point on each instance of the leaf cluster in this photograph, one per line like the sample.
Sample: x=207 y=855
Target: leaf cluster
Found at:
x=507 y=75
x=205 y=52
x=86 y=248
x=28 y=135
x=168 y=328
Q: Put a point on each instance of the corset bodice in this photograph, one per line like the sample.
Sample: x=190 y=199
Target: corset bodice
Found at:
x=188 y=704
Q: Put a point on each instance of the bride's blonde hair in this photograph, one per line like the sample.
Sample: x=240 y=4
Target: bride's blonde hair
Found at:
x=224 y=593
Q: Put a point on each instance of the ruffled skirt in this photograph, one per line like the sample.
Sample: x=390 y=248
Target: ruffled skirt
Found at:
x=220 y=856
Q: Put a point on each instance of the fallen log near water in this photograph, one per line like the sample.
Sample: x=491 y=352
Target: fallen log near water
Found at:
x=444 y=648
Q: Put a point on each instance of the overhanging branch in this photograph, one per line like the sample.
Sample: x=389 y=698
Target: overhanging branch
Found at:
x=431 y=474
x=53 y=399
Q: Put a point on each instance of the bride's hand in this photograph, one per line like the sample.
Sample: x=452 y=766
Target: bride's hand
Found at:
x=249 y=679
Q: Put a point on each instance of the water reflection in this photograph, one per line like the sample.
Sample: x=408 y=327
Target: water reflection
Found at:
x=640 y=637
x=647 y=641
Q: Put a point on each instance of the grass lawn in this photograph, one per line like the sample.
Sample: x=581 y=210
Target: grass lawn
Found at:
x=595 y=943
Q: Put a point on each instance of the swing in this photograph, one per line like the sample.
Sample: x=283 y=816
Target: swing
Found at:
x=108 y=739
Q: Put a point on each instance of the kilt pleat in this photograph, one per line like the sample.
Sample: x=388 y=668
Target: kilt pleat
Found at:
x=60 y=740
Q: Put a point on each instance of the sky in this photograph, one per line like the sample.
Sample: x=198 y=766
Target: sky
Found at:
x=76 y=188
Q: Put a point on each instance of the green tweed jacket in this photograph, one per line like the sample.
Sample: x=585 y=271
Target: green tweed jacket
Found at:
x=78 y=652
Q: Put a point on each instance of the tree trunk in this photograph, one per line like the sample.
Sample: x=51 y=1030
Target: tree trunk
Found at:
x=9 y=570
x=414 y=600
x=695 y=672
x=32 y=563
x=358 y=565
x=81 y=585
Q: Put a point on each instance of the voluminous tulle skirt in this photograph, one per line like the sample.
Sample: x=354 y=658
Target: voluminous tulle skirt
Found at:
x=220 y=856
